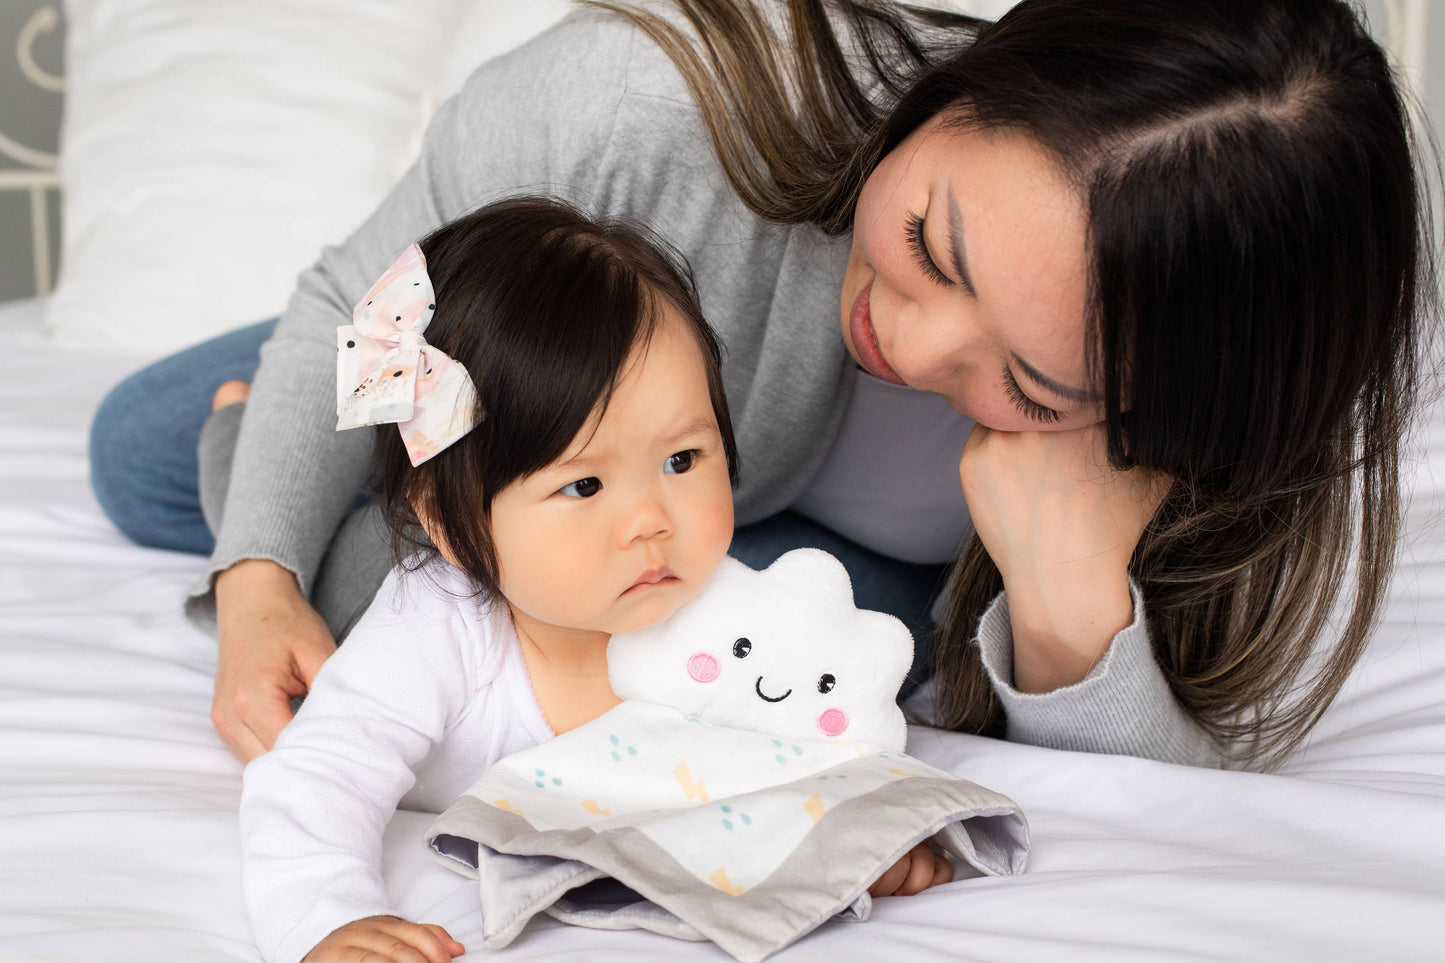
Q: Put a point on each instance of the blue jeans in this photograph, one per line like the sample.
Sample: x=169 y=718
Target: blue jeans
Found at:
x=143 y=440
x=143 y=468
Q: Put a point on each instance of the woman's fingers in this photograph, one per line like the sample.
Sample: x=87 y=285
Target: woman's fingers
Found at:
x=267 y=713
x=271 y=645
x=1061 y=525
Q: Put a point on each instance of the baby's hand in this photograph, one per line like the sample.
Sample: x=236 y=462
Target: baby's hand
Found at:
x=386 y=939
x=919 y=869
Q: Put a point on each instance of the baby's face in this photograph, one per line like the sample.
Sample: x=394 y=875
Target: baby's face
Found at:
x=634 y=517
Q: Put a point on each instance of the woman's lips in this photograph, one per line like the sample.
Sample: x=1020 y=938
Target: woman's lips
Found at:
x=860 y=326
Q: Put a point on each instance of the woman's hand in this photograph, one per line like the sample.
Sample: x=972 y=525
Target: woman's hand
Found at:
x=272 y=643
x=1061 y=525
x=386 y=939
x=919 y=869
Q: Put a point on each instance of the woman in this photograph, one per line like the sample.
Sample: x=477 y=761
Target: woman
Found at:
x=1166 y=256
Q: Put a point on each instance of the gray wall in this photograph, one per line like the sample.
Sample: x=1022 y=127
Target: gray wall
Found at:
x=31 y=116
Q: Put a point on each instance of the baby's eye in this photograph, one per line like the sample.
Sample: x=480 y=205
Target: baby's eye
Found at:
x=585 y=488
x=741 y=648
x=681 y=462
x=826 y=683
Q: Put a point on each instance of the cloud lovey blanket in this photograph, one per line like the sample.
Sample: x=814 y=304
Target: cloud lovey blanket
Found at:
x=750 y=786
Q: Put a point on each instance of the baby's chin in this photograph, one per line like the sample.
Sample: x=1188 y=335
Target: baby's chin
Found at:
x=659 y=606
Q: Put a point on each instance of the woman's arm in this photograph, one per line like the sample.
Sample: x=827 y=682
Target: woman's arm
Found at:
x=534 y=120
x=1067 y=646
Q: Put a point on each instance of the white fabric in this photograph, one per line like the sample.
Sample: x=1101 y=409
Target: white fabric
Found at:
x=118 y=827
x=890 y=482
x=209 y=150
x=428 y=692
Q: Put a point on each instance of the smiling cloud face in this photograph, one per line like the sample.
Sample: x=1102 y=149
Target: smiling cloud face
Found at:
x=782 y=651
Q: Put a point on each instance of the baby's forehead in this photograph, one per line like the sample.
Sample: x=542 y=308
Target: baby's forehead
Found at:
x=596 y=448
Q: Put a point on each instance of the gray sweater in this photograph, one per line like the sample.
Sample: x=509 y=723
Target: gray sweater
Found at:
x=594 y=112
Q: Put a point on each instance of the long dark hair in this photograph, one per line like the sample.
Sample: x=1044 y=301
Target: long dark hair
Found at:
x=1257 y=293
x=543 y=306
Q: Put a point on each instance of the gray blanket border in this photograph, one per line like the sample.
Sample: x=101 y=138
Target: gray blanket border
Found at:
x=978 y=826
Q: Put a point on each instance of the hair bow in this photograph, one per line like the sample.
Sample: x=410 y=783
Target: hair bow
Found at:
x=386 y=372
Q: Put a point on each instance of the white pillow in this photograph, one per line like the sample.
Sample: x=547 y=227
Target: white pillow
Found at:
x=210 y=148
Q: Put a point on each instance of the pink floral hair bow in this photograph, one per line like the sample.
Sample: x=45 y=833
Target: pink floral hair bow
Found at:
x=386 y=372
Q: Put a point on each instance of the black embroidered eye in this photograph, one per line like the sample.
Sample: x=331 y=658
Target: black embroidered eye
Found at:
x=741 y=648
x=351 y=344
x=826 y=683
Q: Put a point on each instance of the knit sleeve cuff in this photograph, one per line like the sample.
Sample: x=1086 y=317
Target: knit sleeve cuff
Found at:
x=1123 y=706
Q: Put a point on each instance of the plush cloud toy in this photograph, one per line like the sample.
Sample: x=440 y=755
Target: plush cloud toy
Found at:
x=782 y=651
x=750 y=786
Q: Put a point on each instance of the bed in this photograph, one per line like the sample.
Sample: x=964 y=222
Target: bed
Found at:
x=118 y=833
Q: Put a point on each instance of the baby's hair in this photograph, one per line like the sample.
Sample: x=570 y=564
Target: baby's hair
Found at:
x=543 y=306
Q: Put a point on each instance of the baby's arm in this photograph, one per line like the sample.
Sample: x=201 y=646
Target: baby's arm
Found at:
x=314 y=809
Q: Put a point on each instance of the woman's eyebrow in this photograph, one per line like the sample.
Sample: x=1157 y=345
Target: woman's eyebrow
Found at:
x=1077 y=395
x=955 y=244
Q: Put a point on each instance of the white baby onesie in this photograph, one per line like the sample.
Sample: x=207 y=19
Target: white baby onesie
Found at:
x=428 y=692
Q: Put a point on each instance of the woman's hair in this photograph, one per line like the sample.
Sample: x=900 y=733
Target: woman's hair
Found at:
x=544 y=307
x=1257 y=288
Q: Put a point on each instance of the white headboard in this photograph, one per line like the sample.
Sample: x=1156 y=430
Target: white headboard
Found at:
x=39 y=170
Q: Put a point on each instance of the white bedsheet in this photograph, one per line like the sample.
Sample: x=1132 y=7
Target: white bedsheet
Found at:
x=117 y=802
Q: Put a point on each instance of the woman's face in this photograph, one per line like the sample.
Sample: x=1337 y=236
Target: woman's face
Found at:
x=967 y=279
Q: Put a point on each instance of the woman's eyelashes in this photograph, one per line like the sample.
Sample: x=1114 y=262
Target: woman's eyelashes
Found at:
x=919 y=247
x=1024 y=403
x=677 y=463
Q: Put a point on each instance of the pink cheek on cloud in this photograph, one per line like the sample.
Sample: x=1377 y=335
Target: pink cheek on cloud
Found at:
x=703 y=667
x=833 y=722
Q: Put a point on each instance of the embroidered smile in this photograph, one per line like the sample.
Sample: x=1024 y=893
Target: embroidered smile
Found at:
x=758 y=687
